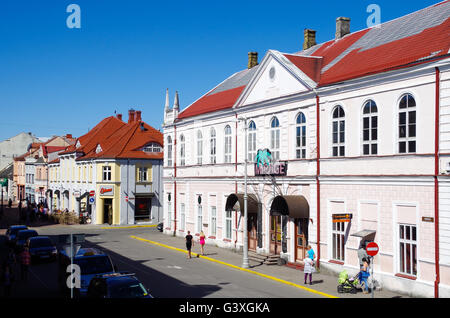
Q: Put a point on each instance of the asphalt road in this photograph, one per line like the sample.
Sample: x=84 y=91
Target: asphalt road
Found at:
x=166 y=273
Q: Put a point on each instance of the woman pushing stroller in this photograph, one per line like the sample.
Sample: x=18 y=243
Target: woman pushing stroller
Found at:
x=364 y=274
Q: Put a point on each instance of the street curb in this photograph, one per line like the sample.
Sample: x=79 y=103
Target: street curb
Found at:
x=126 y=227
x=234 y=266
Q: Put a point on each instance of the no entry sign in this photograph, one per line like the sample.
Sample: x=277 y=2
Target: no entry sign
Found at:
x=372 y=249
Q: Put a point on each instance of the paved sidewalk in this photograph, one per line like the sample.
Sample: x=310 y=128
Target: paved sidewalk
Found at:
x=323 y=284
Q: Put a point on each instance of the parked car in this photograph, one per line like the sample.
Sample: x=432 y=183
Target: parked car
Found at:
x=42 y=248
x=91 y=261
x=118 y=285
x=22 y=237
x=160 y=226
x=11 y=233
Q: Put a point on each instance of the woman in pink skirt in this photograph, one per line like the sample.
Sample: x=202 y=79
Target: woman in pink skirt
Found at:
x=202 y=242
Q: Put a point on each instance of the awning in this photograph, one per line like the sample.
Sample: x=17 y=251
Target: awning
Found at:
x=364 y=233
x=144 y=195
x=295 y=206
x=235 y=202
x=86 y=194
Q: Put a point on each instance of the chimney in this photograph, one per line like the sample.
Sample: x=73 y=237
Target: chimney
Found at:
x=119 y=116
x=252 y=59
x=131 y=115
x=310 y=39
x=342 y=27
x=68 y=135
x=138 y=115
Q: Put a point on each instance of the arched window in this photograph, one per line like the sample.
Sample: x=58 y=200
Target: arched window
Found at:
x=251 y=141
x=227 y=144
x=182 y=151
x=169 y=151
x=152 y=147
x=407 y=124
x=370 y=128
x=300 y=136
x=212 y=143
x=199 y=147
x=275 y=138
x=338 y=138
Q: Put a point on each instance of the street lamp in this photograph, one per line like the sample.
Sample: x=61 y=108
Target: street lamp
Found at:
x=245 y=263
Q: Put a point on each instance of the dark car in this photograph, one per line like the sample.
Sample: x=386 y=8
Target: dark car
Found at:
x=160 y=226
x=118 y=285
x=91 y=261
x=41 y=248
x=22 y=237
x=11 y=233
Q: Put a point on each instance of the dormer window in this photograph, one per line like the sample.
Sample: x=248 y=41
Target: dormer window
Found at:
x=98 y=149
x=152 y=147
x=78 y=145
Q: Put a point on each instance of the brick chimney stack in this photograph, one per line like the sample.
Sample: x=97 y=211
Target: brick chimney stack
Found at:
x=119 y=116
x=252 y=59
x=138 y=115
x=342 y=27
x=131 y=113
x=309 y=39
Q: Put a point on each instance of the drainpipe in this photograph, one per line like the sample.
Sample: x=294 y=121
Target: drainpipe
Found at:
x=436 y=185
x=235 y=182
x=318 y=174
x=175 y=183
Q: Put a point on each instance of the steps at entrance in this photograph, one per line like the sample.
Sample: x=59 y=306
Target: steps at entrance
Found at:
x=264 y=258
x=273 y=260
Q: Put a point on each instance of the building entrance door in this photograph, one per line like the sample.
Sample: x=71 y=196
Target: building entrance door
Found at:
x=143 y=208
x=107 y=211
x=252 y=234
x=275 y=234
x=301 y=238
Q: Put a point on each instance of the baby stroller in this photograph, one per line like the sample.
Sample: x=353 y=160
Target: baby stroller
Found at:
x=346 y=284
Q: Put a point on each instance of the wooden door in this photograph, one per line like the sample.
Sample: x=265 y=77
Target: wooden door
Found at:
x=301 y=238
x=252 y=233
x=275 y=234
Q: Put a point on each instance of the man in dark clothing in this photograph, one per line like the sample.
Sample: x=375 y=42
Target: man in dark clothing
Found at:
x=189 y=243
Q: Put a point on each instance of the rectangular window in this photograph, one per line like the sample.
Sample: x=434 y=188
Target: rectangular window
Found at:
x=228 y=224
x=182 y=216
x=338 y=234
x=408 y=249
x=169 y=214
x=213 y=230
x=142 y=174
x=227 y=149
x=169 y=155
x=107 y=173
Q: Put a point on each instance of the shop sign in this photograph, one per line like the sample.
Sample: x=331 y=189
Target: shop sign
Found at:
x=76 y=194
x=265 y=165
x=107 y=190
x=339 y=218
x=427 y=219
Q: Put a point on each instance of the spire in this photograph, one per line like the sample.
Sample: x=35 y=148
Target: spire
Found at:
x=176 y=102
x=166 y=107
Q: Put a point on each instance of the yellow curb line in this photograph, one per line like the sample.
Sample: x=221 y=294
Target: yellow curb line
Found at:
x=235 y=267
x=126 y=227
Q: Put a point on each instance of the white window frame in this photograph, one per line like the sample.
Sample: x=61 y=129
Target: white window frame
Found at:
x=228 y=144
x=213 y=224
x=251 y=141
x=169 y=151
x=142 y=174
x=182 y=216
x=199 y=215
x=407 y=111
x=228 y=225
x=338 y=231
x=182 y=150
x=339 y=145
x=152 y=147
x=199 y=147
x=371 y=141
x=107 y=173
x=300 y=136
x=213 y=146
x=413 y=244
x=275 y=138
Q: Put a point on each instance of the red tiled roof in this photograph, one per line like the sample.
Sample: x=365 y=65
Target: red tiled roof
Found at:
x=213 y=102
x=311 y=66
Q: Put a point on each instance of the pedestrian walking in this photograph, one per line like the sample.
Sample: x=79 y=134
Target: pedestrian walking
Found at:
x=25 y=259
x=308 y=269
x=364 y=274
x=189 y=243
x=9 y=203
x=202 y=242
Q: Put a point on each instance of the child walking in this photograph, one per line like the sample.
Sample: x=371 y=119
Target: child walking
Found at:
x=309 y=269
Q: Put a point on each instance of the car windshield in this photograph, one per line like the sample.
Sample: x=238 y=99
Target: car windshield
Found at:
x=94 y=265
x=25 y=235
x=44 y=242
x=128 y=290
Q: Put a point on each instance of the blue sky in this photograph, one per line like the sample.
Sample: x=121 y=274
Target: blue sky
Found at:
x=55 y=80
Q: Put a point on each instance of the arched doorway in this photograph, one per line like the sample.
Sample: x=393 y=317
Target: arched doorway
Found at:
x=295 y=207
x=235 y=202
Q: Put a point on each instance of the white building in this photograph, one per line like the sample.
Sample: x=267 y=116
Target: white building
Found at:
x=380 y=100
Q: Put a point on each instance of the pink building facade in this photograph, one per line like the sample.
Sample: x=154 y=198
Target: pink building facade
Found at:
x=363 y=137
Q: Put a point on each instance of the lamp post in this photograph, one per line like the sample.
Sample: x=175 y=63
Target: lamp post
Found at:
x=245 y=263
